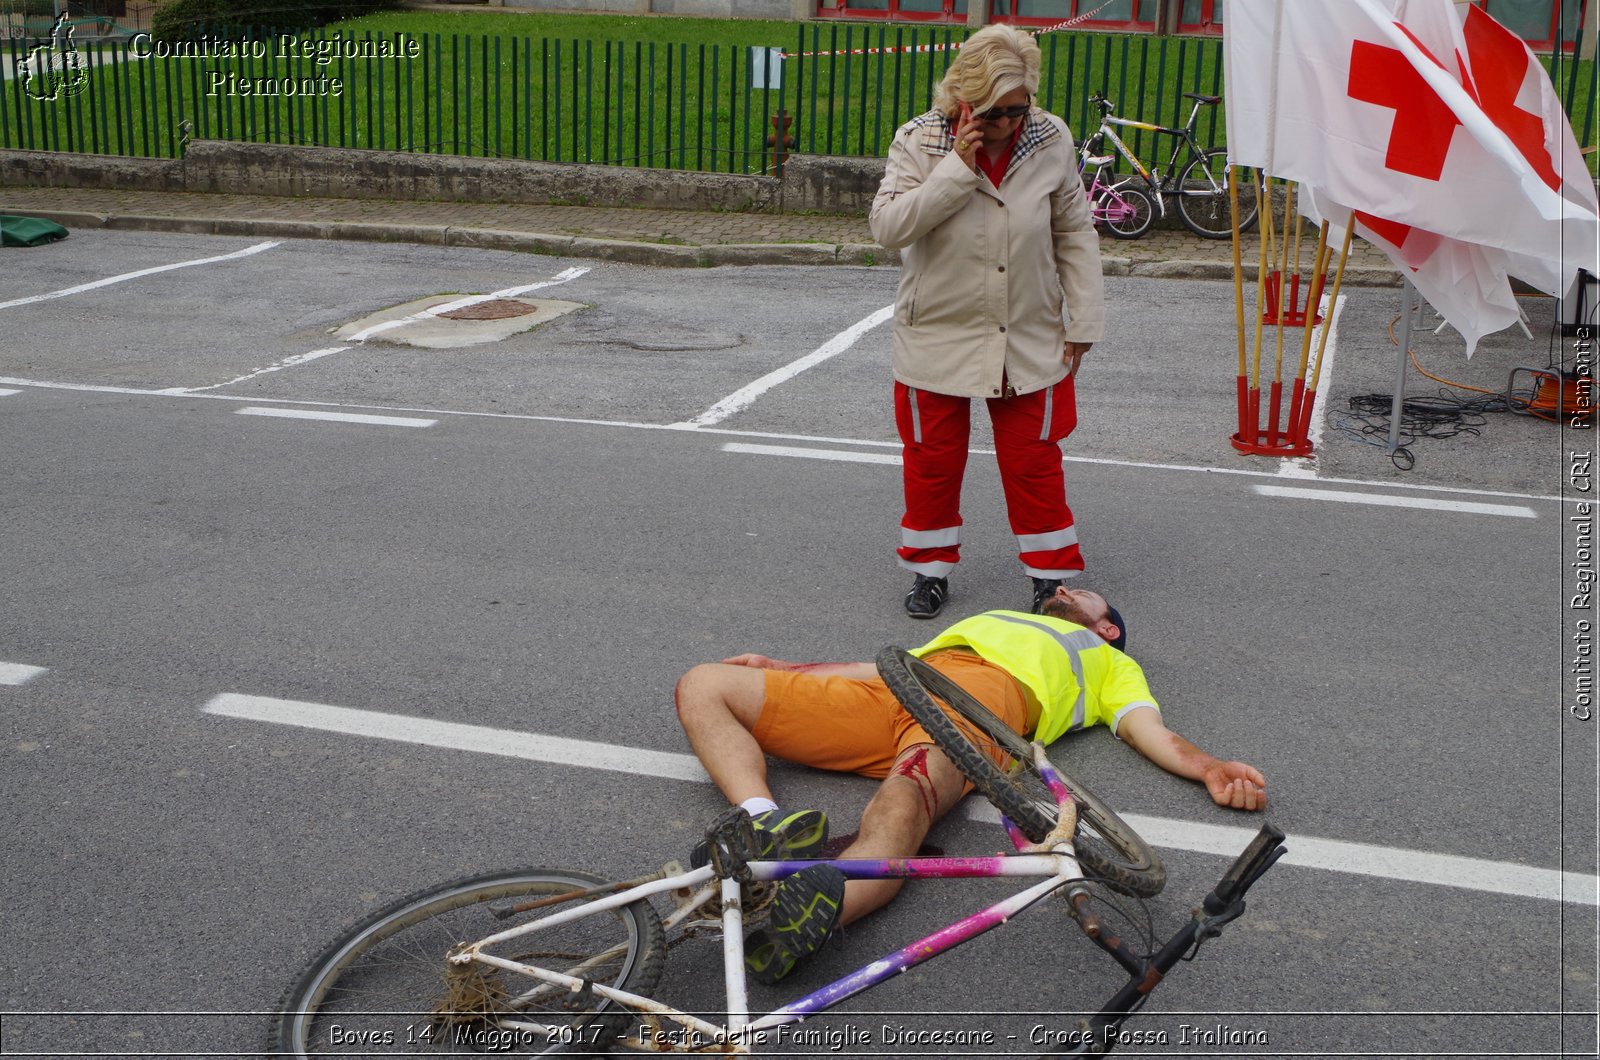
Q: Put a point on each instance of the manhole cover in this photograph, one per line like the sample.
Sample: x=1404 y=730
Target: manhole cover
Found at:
x=494 y=309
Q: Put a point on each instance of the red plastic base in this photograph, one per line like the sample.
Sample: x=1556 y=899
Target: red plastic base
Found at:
x=1294 y=315
x=1270 y=443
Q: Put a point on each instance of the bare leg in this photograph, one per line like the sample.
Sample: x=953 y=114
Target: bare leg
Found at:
x=923 y=786
x=718 y=706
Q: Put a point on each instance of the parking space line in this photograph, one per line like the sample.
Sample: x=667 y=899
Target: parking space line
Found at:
x=745 y=396
x=811 y=454
x=1514 y=511
x=338 y=417
x=18 y=673
x=287 y=362
x=124 y=277
x=582 y=421
x=461 y=303
x=1332 y=855
x=533 y=747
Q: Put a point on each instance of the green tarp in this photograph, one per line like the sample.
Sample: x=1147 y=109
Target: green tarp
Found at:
x=28 y=231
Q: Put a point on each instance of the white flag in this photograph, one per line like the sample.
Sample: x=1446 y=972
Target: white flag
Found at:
x=1442 y=133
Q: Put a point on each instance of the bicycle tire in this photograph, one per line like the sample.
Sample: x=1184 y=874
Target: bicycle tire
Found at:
x=1106 y=846
x=1136 y=224
x=1203 y=202
x=398 y=979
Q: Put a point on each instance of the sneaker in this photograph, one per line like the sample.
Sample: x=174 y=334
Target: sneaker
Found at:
x=779 y=837
x=1044 y=589
x=927 y=596
x=805 y=910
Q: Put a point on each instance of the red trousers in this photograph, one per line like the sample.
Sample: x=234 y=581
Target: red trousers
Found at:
x=1028 y=429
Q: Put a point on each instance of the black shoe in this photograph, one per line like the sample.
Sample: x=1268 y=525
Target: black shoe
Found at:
x=779 y=837
x=805 y=911
x=927 y=596
x=1044 y=589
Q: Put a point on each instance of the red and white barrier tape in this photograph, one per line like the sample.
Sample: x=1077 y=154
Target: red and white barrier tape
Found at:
x=955 y=46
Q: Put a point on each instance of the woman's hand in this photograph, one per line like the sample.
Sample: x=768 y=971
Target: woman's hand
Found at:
x=968 y=138
x=1072 y=355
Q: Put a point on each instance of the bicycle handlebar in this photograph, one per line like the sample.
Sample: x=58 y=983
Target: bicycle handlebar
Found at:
x=1225 y=903
x=1264 y=850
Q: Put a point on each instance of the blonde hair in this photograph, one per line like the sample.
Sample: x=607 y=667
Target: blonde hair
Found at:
x=995 y=60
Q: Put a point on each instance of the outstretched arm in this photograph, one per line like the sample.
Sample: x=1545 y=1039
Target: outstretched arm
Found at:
x=1230 y=783
x=861 y=671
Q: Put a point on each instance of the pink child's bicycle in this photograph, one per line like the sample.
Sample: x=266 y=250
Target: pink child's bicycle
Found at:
x=1126 y=211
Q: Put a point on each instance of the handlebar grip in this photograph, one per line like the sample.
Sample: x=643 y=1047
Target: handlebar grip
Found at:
x=1258 y=857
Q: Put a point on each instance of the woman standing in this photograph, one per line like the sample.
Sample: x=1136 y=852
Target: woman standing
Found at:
x=982 y=194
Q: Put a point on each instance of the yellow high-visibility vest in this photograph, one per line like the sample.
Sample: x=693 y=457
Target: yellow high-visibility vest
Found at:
x=1070 y=676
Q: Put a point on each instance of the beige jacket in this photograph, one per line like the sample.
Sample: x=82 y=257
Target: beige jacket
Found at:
x=986 y=270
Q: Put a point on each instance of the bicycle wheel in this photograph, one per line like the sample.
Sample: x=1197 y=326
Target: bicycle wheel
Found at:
x=383 y=983
x=1203 y=203
x=1128 y=211
x=973 y=738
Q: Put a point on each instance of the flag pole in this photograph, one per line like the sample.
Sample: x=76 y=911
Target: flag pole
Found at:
x=1238 y=297
x=1327 y=326
x=1261 y=296
x=1406 y=292
x=1319 y=266
x=1276 y=397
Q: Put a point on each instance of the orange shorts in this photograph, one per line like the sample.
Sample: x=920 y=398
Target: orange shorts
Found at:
x=852 y=726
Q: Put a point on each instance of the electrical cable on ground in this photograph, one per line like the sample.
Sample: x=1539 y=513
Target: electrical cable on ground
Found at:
x=1443 y=415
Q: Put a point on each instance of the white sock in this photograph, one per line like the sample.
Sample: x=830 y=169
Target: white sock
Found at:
x=757 y=806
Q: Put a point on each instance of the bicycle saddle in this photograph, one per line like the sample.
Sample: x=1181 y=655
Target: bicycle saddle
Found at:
x=1097 y=160
x=1203 y=99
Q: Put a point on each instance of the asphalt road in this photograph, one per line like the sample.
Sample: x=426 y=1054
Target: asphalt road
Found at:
x=547 y=544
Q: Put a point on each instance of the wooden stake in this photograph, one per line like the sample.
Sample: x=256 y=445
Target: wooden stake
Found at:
x=1275 y=395
x=1319 y=264
x=1238 y=299
x=1327 y=325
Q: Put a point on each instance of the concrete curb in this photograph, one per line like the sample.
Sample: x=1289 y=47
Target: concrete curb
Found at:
x=628 y=252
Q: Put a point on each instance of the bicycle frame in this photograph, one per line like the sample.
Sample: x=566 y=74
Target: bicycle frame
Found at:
x=1158 y=183
x=1053 y=861
x=1105 y=200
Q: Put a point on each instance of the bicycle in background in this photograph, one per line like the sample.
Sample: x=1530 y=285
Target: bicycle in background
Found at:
x=1125 y=209
x=1200 y=187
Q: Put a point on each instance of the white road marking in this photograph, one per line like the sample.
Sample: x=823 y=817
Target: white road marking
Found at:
x=287 y=362
x=340 y=417
x=812 y=454
x=1301 y=466
x=1333 y=855
x=744 y=397
x=108 y=281
x=1515 y=511
x=457 y=736
x=8 y=393
x=1362 y=859
x=461 y=303
x=96 y=388
x=18 y=673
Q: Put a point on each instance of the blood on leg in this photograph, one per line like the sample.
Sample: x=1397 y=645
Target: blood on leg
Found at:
x=913 y=765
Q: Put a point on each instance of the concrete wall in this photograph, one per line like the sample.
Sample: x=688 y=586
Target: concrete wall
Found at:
x=810 y=183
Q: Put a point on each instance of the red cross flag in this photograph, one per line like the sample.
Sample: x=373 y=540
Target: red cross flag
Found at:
x=1438 y=128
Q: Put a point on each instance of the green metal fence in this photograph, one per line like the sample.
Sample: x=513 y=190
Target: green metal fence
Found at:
x=844 y=89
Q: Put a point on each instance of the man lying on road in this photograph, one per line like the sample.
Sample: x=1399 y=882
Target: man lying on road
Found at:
x=1045 y=675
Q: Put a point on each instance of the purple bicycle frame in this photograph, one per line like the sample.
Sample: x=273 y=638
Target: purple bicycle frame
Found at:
x=1058 y=868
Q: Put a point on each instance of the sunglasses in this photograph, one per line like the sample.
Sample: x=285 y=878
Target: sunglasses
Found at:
x=996 y=113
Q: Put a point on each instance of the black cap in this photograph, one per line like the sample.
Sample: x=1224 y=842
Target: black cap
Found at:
x=1121 y=643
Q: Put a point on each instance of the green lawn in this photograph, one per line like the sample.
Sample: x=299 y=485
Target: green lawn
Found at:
x=623 y=90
